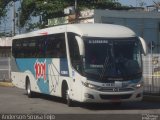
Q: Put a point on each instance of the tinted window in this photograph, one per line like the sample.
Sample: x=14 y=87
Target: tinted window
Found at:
x=51 y=46
x=73 y=47
x=56 y=47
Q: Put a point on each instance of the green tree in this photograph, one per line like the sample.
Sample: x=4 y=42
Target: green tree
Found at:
x=47 y=9
x=3 y=10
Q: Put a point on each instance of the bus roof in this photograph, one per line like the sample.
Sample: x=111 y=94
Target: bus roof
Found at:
x=90 y=30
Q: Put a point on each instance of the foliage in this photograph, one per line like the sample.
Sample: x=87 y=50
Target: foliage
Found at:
x=54 y=8
x=3 y=4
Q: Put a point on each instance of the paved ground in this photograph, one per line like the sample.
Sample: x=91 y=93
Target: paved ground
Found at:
x=15 y=101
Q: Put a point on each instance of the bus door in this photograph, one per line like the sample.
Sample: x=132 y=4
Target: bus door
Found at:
x=76 y=65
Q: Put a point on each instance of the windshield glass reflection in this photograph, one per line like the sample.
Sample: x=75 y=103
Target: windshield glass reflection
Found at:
x=112 y=58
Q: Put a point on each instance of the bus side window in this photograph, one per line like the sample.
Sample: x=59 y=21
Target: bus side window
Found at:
x=31 y=49
x=56 y=47
x=16 y=50
x=50 y=47
x=40 y=47
x=25 y=49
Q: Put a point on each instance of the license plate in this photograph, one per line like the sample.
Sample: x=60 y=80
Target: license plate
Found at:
x=118 y=84
x=115 y=100
x=109 y=85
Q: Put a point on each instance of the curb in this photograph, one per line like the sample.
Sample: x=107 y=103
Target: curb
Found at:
x=151 y=98
x=6 y=84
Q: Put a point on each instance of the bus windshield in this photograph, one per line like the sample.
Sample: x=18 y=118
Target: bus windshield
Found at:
x=113 y=58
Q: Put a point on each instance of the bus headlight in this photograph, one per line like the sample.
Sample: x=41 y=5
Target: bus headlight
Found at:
x=91 y=86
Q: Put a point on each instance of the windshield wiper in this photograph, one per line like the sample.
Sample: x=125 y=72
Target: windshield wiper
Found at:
x=106 y=66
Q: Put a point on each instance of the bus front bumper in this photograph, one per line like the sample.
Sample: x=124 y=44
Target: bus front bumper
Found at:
x=103 y=97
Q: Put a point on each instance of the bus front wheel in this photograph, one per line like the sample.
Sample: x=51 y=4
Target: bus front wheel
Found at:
x=69 y=101
x=65 y=94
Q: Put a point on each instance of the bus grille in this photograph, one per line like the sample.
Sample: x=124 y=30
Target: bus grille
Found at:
x=120 y=89
x=126 y=96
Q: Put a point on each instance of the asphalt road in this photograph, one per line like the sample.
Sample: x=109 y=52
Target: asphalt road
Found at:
x=15 y=101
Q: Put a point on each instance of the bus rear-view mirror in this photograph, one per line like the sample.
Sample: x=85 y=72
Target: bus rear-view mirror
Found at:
x=80 y=44
x=144 y=46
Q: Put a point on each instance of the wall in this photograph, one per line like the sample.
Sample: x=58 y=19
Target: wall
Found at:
x=145 y=24
x=5 y=54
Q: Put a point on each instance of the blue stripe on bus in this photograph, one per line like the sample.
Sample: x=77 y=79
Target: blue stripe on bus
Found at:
x=26 y=64
x=64 y=67
x=29 y=64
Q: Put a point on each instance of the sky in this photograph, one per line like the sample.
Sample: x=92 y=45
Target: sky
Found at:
x=135 y=3
x=6 y=26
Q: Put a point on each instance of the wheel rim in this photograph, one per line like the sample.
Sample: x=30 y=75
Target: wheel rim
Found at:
x=67 y=94
x=28 y=89
x=68 y=98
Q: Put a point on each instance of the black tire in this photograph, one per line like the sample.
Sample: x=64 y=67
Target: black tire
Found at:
x=28 y=89
x=69 y=101
x=65 y=95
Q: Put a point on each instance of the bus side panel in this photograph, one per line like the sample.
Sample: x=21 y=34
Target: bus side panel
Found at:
x=45 y=75
x=36 y=70
x=77 y=87
x=17 y=76
x=53 y=76
x=57 y=72
x=18 y=79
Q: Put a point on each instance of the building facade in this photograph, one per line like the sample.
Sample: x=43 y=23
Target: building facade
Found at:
x=5 y=56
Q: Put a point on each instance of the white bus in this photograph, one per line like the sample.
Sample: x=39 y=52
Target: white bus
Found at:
x=80 y=62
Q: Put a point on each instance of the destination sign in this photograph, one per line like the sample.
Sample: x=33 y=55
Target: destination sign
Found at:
x=98 y=42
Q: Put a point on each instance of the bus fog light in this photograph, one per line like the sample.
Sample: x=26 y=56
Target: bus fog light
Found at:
x=89 y=96
x=139 y=85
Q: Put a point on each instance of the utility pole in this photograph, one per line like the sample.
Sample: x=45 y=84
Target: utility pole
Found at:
x=13 y=26
x=136 y=3
x=76 y=12
x=75 y=4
